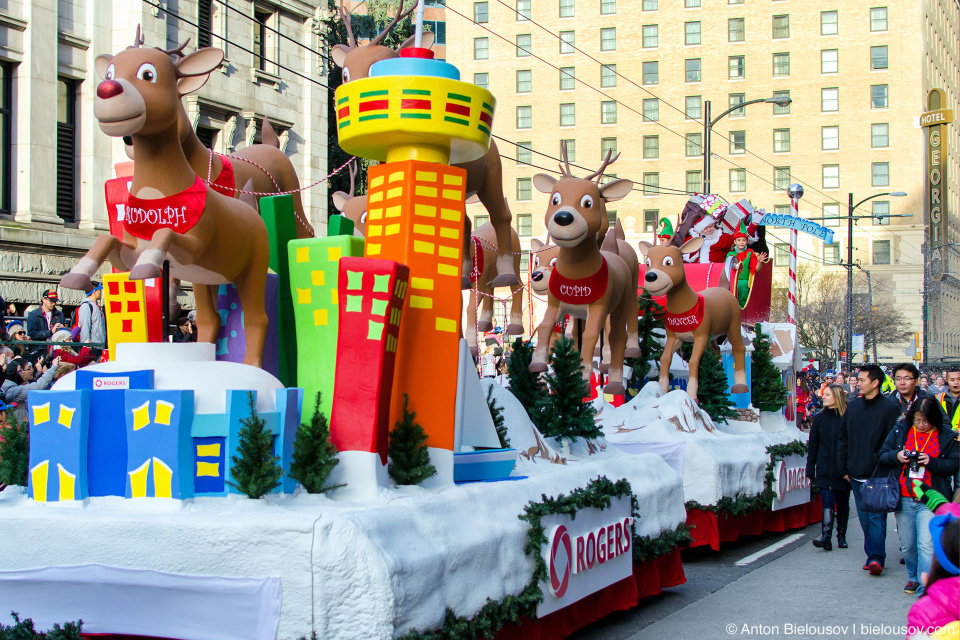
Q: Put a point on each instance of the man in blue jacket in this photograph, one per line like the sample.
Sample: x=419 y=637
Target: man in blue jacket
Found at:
x=45 y=320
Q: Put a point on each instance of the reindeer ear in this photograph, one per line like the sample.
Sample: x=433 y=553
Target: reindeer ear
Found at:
x=200 y=62
x=339 y=53
x=103 y=63
x=535 y=245
x=644 y=246
x=190 y=84
x=339 y=200
x=613 y=191
x=691 y=245
x=544 y=183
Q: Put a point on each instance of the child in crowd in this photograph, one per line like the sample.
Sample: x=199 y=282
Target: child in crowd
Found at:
x=936 y=614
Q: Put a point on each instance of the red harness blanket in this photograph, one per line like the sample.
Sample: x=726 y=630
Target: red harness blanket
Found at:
x=179 y=212
x=688 y=320
x=226 y=181
x=584 y=291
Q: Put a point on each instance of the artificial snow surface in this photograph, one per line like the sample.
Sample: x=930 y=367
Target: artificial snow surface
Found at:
x=376 y=569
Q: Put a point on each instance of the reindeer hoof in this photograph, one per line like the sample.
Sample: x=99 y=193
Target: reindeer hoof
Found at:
x=506 y=280
x=739 y=388
x=78 y=281
x=145 y=271
x=474 y=351
x=484 y=325
x=597 y=352
x=632 y=352
x=465 y=282
x=514 y=329
x=604 y=368
x=537 y=367
x=614 y=388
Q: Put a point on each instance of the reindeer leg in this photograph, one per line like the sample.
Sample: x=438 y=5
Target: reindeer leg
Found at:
x=469 y=246
x=700 y=343
x=163 y=242
x=618 y=346
x=515 y=328
x=632 y=328
x=104 y=247
x=208 y=318
x=666 y=359
x=470 y=328
x=591 y=334
x=491 y=195
x=250 y=288
x=738 y=350
x=538 y=363
x=486 y=308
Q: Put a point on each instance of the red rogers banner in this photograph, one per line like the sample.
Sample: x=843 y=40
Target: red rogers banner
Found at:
x=586 y=554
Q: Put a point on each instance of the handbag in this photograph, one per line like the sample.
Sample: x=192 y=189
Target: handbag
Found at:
x=880 y=494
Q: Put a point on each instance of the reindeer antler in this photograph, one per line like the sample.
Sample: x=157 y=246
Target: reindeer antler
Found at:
x=565 y=167
x=138 y=39
x=606 y=162
x=347 y=18
x=354 y=170
x=401 y=14
x=177 y=51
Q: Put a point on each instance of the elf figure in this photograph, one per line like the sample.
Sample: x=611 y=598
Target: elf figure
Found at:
x=665 y=234
x=742 y=265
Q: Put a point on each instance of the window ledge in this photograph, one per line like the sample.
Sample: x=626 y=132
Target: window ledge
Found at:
x=17 y=24
x=264 y=77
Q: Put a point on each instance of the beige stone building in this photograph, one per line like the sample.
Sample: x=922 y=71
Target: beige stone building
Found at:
x=635 y=76
x=55 y=159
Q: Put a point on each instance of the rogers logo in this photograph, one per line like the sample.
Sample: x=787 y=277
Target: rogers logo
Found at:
x=575 y=290
x=105 y=384
x=782 y=482
x=561 y=556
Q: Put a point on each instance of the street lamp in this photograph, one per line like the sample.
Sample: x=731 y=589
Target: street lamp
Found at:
x=780 y=101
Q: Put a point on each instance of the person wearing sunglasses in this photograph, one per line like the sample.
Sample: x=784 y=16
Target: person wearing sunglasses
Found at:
x=20 y=381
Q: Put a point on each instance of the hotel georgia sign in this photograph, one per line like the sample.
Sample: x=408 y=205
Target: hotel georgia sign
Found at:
x=935 y=122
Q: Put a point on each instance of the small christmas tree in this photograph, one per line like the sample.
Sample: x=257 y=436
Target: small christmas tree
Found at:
x=314 y=456
x=496 y=412
x=256 y=471
x=524 y=384
x=565 y=413
x=768 y=392
x=712 y=387
x=14 y=450
x=409 y=458
x=650 y=326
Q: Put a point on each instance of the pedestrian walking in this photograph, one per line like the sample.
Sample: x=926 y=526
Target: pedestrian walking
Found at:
x=864 y=428
x=922 y=447
x=906 y=377
x=823 y=467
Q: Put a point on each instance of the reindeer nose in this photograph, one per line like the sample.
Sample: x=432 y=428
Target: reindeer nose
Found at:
x=108 y=89
x=563 y=218
x=537 y=276
x=650 y=276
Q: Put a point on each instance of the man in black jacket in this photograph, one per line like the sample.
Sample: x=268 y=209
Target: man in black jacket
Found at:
x=864 y=427
x=45 y=320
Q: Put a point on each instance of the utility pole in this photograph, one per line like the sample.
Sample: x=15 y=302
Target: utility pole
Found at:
x=849 y=341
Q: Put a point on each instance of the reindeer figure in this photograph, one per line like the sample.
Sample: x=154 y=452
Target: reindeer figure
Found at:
x=352 y=206
x=208 y=238
x=692 y=317
x=483 y=254
x=585 y=282
x=484 y=175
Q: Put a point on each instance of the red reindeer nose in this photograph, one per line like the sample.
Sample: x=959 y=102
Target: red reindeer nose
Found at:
x=109 y=88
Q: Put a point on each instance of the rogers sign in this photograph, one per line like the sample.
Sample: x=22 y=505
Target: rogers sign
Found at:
x=793 y=485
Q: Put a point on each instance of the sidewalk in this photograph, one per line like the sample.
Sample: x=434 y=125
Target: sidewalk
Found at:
x=806 y=587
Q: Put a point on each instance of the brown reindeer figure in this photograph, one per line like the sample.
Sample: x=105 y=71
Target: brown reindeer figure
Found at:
x=352 y=206
x=692 y=317
x=484 y=175
x=585 y=282
x=208 y=238
x=483 y=255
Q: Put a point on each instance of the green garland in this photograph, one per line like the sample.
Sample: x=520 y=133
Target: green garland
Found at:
x=741 y=505
x=493 y=616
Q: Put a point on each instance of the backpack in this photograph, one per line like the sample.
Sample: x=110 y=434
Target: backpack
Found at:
x=75 y=315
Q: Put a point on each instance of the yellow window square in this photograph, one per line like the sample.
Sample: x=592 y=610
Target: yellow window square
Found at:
x=447 y=270
x=392 y=230
x=426 y=176
x=375 y=213
x=319 y=317
x=334 y=296
x=396 y=192
x=426 y=229
x=452 y=194
x=453 y=234
x=334 y=253
x=446 y=324
x=449 y=252
x=451 y=214
x=421 y=302
x=317 y=278
x=303 y=295
x=452 y=179
x=426 y=192
x=303 y=254
x=374 y=230
x=372 y=249
x=421 y=283
x=396 y=176
x=41 y=413
x=425 y=210
x=393 y=212
x=419 y=246
x=375 y=197
x=376 y=182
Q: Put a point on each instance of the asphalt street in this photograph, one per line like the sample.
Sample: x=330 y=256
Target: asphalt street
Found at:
x=795 y=591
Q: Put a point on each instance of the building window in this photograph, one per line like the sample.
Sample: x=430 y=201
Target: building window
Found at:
x=694 y=145
x=650 y=220
x=651 y=184
x=567 y=9
x=568 y=114
x=524 y=81
x=524 y=117
x=524 y=45
x=481 y=12
x=781 y=26
x=693 y=107
x=650 y=5
x=207 y=136
x=651 y=147
x=525 y=261
x=737 y=67
x=651 y=36
x=781 y=64
x=568 y=79
x=204 y=23
x=608 y=145
x=831 y=176
x=261 y=38
x=611 y=215
x=738 y=180
x=691 y=4
x=777 y=109
x=6 y=139
x=881 y=252
x=439 y=30
x=781 y=140
x=734 y=100
x=608 y=112
x=734 y=1
x=567 y=43
x=571 y=149
x=781 y=255
x=651 y=109
x=880 y=173
x=608 y=76
x=829 y=23
x=481 y=48
x=736 y=30
x=881 y=212
x=524 y=152
x=878 y=57
x=481 y=80
x=781 y=178
x=608 y=39
x=831 y=253
x=66 y=150
x=879 y=97
x=480 y=220
x=694 y=181
x=651 y=72
x=524 y=189
x=829 y=61
x=738 y=142
x=523 y=10
x=878 y=19
x=693 y=70
x=830 y=99
x=608 y=6
x=782 y=209
x=831 y=214
x=524 y=224
x=880 y=135
x=830 y=138
x=691 y=33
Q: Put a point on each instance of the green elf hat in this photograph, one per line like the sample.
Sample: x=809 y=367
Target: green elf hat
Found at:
x=741 y=232
x=666 y=229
